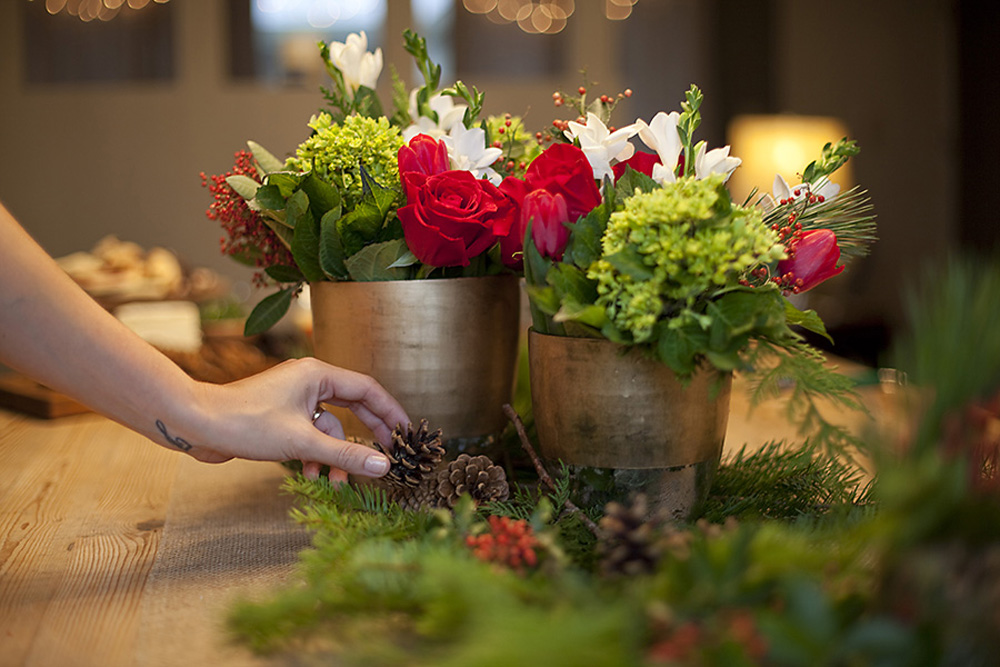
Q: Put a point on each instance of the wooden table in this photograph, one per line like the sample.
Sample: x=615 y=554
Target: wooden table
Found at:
x=114 y=551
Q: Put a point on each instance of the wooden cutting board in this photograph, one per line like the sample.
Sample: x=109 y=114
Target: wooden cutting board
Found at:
x=23 y=394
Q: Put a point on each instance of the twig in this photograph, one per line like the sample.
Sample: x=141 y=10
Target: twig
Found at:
x=542 y=472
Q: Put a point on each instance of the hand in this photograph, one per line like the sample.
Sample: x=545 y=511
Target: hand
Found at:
x=269 y=417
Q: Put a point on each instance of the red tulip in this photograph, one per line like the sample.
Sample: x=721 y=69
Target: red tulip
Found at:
x=813 y=259
x=548 y=216
x=424 y=154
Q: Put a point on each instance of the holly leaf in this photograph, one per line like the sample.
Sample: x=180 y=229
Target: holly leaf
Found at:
x=267 y=313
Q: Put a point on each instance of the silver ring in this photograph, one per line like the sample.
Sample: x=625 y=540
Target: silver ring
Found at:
x=317 y=413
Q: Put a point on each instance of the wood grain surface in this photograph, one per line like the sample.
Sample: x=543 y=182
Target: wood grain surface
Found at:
x=115 y=551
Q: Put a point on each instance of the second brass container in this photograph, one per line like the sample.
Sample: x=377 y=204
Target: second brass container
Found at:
x=446 y=348
x=598 y=405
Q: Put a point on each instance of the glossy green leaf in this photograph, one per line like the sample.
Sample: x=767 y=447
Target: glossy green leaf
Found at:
x=267 y=313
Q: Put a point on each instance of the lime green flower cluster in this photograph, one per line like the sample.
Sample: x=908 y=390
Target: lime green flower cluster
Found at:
x=673 y=246
x=336 y=150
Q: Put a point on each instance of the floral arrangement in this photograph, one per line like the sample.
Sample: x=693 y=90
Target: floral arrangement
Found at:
x=645 y=248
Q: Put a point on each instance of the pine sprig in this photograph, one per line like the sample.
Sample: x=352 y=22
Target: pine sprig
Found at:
x=800 y=374
x=782 y=482
x=849 y=215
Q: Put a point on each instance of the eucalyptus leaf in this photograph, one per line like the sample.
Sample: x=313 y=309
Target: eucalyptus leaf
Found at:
x=242 y=185
x=264 y=158
x=267 y=313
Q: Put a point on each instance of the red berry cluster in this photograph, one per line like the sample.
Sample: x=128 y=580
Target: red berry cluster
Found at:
x=579 y=103
x=247 y=235
x=509 y=542
x=685 y=642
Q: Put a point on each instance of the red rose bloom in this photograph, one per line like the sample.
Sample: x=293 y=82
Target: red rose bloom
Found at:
x=548 y=216
x=424 y=154
x=642 y=162
x=814 y=259
x=563 y=169
x=452 y=217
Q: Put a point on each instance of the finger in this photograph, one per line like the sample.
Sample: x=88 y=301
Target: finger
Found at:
x=337 y=476
x=369 y=400
x=350 y=457
x=310 y=469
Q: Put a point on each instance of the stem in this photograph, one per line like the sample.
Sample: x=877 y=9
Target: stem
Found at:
x=542 y=472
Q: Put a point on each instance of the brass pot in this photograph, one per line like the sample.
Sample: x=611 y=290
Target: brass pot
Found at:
x=627 y=419
x=446 y=348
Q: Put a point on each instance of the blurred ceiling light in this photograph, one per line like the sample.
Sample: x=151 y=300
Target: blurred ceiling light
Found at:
x=780 y=144
x=541 y=16
x=88 y=10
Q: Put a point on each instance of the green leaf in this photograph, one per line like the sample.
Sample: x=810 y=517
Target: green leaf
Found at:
x=630 y=262
x=281 y=230
x=380 y=196
x=633 y=180
x=807 y=319
x=584 y=246
x=267 y=313
x=305 y=241
x=375 y=262
x=406 y=259
x=536 y=267
x=287 y=182
x=585 y=313
x=359 y=227
x=331 y=248
x=680 y=347
x=242 y=185
x=284 y=274
x=323 y=197
x=571 y=283
x=269 y=196
x=264 y=158
x=366 y=102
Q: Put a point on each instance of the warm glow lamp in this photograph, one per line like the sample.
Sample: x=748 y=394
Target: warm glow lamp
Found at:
x=780 y=144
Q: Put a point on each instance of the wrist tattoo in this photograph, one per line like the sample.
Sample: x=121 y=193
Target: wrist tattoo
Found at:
x=179 y=443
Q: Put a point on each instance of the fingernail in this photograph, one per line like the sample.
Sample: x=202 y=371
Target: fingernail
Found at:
x=377 y=464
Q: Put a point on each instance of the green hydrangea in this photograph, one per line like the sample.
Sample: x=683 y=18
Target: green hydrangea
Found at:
x=335 y=151
x=673 y=246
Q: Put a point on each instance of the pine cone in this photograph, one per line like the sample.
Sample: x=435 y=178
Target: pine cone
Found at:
x=475 y=475
x=414 y=456
x=415 y=498
x=631 y=543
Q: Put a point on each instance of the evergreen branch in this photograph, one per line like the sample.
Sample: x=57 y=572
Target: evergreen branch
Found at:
x=800 y=374
x=848 y=215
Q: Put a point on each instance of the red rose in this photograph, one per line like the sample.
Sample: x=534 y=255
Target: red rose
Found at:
x=512 y=244
x=452 y=217
x=548 y=216
x=563 y=169
x=424 y=154
x=641 y=162
x=814 y=259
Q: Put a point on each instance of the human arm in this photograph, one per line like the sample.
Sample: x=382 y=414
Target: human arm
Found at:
x=53 y=332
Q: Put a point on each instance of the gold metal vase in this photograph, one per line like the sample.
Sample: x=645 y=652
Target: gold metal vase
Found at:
x=625 y=423
x=446 y=348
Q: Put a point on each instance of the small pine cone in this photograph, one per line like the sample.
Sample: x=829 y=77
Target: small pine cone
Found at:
x=475 y=475
x=415 y=498
x=414 y=456
x=631 y=543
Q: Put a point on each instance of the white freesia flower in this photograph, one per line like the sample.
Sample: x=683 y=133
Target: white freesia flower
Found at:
x=715 y=161
x=601 y=145
x=824 y=188
x=467 y=151
x=449 y=115
x=356 y=64
x=661 y=136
